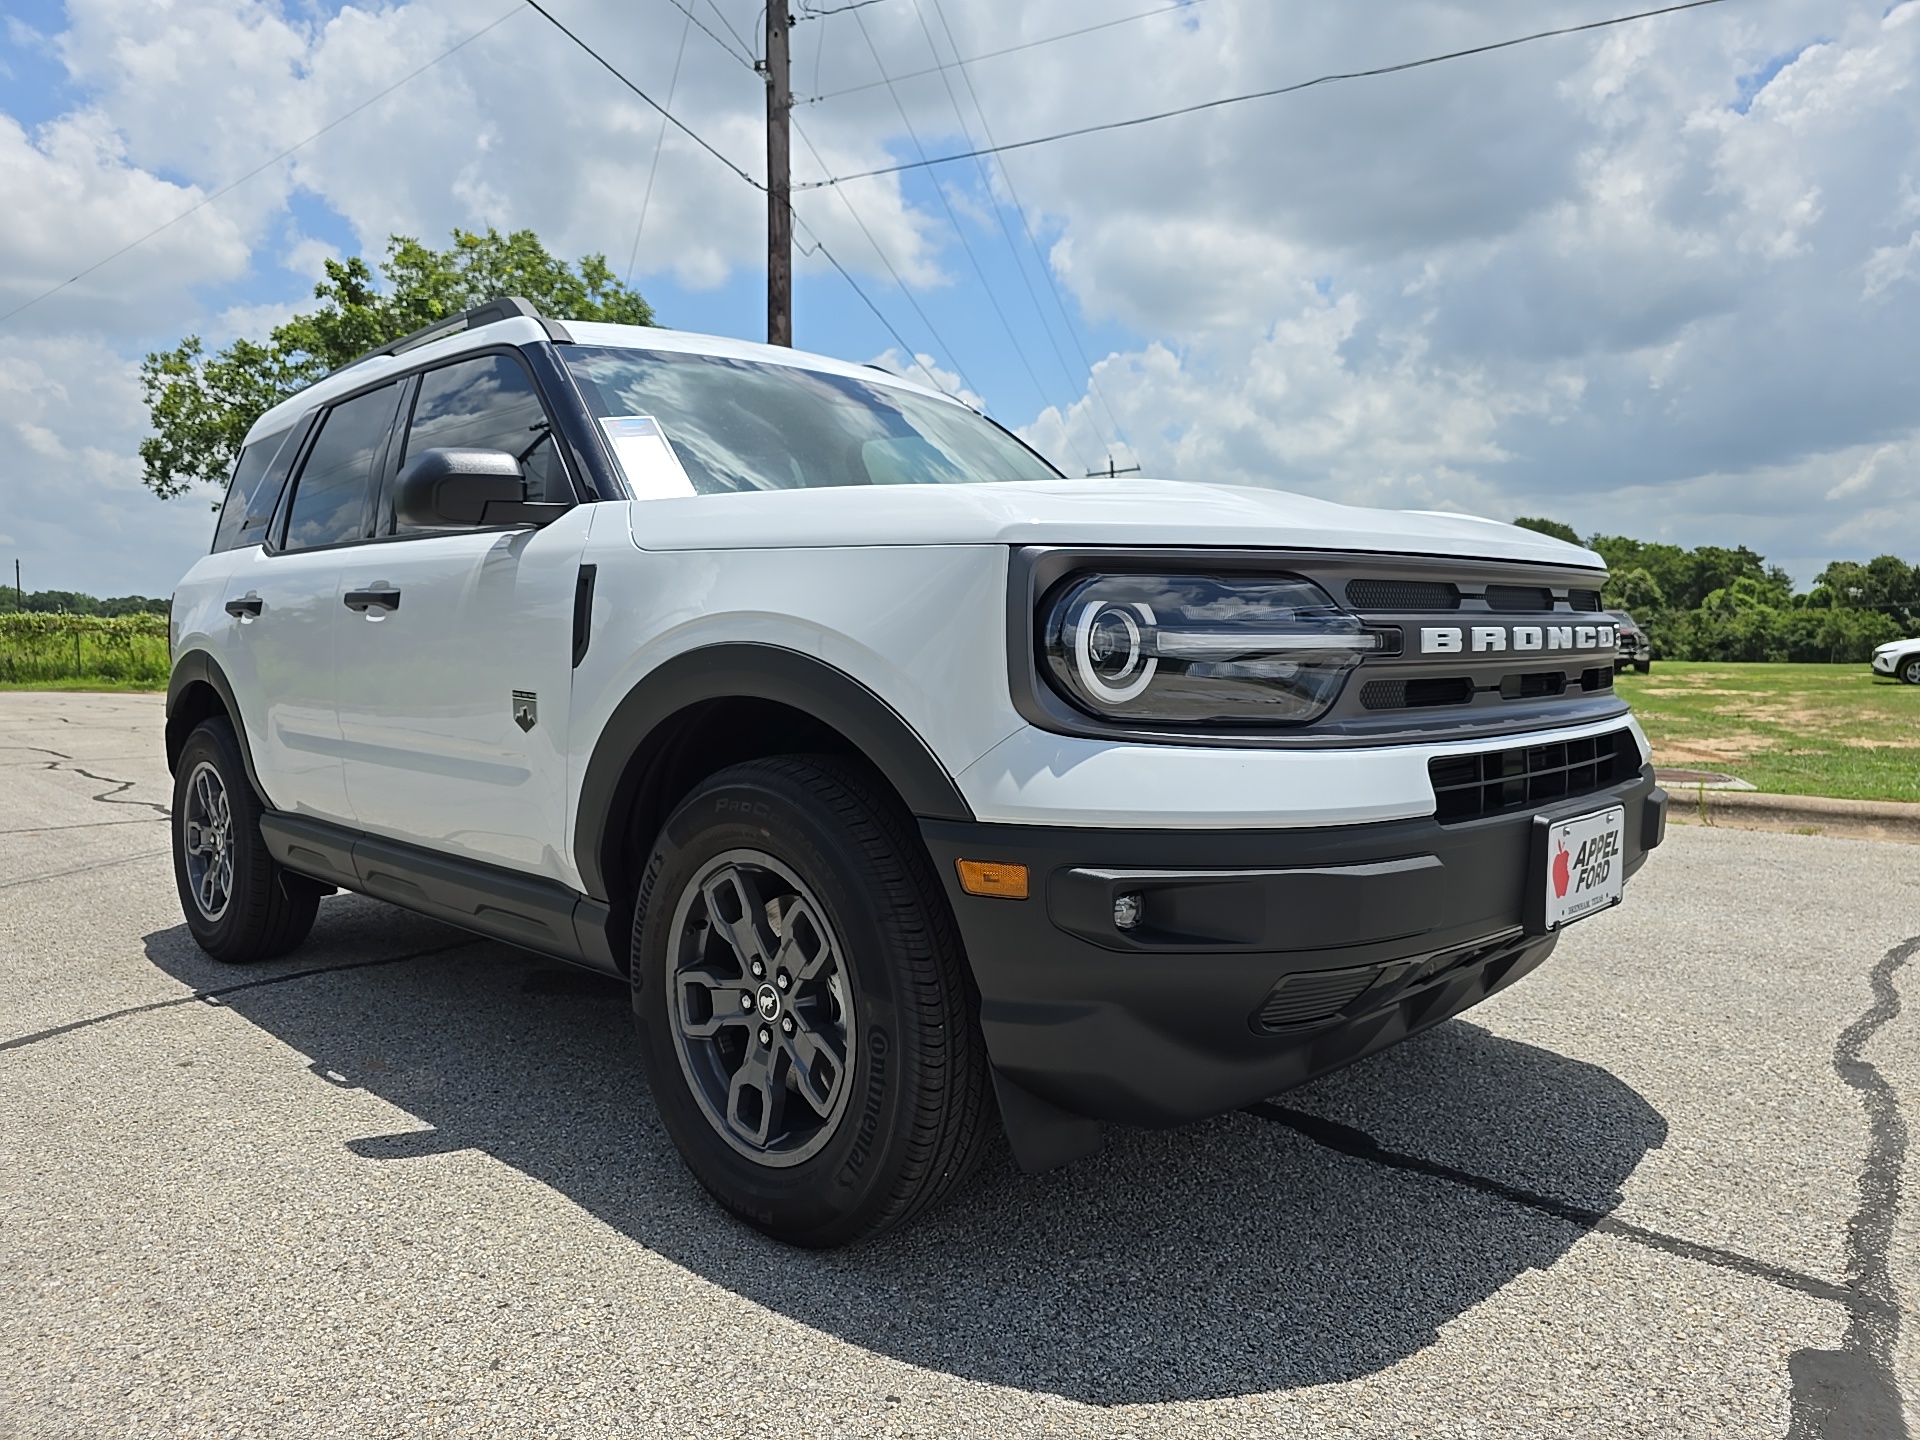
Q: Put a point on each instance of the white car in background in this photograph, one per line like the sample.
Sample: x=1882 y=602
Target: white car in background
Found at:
x=1898 y=658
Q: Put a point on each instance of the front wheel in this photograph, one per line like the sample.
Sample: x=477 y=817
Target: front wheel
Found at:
x=804 y=1008
x=1910 y=670
x=240 y=905
x=1641 y=667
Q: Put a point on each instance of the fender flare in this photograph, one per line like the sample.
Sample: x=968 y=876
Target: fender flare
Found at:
x=198 y=667
x=752 y=672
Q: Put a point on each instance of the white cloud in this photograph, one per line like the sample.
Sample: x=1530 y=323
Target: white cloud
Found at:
x=1657 y=280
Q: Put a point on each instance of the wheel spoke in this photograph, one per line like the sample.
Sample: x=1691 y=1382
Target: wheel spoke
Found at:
x=729 y=1003
x=804 y=951
x=819 y=1066
x=739 y=916
x=757 y=1086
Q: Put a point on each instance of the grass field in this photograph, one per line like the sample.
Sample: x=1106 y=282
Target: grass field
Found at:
x=83 y=652
x=1832 y=730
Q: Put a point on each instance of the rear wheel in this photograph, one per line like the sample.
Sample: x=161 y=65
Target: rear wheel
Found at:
x=239 y=904
x=804 y=1008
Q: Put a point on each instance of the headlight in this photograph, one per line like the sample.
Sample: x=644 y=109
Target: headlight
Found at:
x=1195 y=649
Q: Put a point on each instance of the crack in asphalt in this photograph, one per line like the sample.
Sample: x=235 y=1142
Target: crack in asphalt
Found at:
x=1851 y=1393
x=109 y=797
x=1361 y=1146
x=215 y=995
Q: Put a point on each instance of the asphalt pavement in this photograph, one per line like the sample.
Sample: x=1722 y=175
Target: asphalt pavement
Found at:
x=408 y=1182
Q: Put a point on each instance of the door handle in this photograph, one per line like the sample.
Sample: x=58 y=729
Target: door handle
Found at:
x=246 y=608
x=362 y=601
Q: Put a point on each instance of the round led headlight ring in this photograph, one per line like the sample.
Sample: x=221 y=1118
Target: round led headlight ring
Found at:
x=1109 y=649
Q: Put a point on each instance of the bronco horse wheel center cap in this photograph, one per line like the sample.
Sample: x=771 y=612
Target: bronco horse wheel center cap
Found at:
x=769 y=999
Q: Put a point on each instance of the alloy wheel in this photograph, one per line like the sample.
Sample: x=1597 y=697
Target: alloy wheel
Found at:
x=761 y=1008
x=207 y=839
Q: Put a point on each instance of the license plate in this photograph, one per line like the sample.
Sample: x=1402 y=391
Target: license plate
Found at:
x=1586 y=865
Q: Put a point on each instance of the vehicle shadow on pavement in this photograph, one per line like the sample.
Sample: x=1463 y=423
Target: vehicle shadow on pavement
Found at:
x=1225 y=1258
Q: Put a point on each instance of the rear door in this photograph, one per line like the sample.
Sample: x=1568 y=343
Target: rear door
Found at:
x=283 y=597
x=454 y=679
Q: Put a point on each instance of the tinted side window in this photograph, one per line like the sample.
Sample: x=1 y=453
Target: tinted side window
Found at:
x=249 y=510
x=255 y=461
x=329 y=502
x=489 y=403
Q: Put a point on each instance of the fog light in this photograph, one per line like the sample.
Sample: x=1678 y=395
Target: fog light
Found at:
x=1129 y=910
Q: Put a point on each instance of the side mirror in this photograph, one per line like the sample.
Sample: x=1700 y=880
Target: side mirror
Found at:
x=466 y=488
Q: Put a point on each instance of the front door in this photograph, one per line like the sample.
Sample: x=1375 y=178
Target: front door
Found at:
x=454 y=652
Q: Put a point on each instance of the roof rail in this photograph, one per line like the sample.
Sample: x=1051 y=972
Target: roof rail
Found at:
x=507 y=307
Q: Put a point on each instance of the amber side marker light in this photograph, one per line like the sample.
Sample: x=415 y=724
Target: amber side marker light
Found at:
x=988 y=877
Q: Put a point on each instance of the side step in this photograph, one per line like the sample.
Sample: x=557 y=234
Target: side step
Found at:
x=522 y=910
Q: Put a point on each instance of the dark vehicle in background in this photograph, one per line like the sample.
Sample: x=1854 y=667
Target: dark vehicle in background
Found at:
x=1635 y=648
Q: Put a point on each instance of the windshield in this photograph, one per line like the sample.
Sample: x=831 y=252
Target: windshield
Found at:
x=684 y=424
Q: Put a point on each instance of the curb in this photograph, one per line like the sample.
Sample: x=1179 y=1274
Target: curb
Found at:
x=1795 y=814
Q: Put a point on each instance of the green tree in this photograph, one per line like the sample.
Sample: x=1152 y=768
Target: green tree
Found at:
x=1636 y=591
x=203 y=405
x=1548 y=527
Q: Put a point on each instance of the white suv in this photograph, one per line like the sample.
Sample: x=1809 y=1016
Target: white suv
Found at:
x=906 y=779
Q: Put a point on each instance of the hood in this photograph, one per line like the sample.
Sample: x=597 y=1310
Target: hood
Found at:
x=1100 y=511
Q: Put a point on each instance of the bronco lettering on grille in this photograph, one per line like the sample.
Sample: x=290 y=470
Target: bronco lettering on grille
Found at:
x=1493 y=639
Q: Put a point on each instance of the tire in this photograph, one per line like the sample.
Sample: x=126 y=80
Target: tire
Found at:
x=1909 y=670
x=1641 y=667
x=808 y=1150
x=240 y=905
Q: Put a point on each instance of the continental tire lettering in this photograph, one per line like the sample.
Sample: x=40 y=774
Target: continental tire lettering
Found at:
x=868 y=1133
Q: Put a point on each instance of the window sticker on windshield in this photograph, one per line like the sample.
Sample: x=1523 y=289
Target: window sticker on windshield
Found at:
x=652 y=469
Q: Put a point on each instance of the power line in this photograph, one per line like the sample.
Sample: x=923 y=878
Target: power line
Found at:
x=957 y=62
x=900 y=340
x=1254 y=95
x=819 y=245
x=1046 y=270
x=646 y=200
x=925 y=320
x=999 y=212
x=233 y=185
x=952 y=219
x=668 y=115
x=693 y=19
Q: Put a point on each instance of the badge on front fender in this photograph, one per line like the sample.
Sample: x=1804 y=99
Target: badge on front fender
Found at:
x=1578 y=867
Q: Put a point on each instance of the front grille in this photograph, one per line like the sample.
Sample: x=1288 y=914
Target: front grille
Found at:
x=1584 y=599
x=1533 y=686
x=1467 y=787
x=1416 y=694
x=1531 y=598
x=1314 y=995
x=1402 y=595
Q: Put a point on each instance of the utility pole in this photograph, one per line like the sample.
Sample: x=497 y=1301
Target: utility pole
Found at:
x=1112 y=472
x=21 y=594
x=779 y=184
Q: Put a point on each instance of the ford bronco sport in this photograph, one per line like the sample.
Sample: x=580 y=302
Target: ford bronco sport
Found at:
x=907 y=781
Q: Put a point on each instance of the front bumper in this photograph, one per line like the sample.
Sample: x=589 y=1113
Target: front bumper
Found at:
x=1264 y=958
x=1883 y=664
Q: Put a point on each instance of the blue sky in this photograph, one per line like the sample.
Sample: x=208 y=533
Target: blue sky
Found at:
x=1661 y=280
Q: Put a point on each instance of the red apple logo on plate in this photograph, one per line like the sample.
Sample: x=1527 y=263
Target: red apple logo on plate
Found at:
x=1560 y=871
